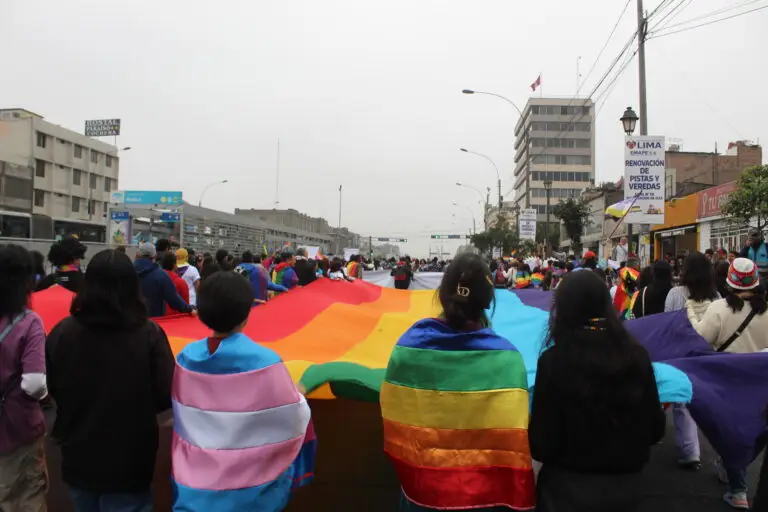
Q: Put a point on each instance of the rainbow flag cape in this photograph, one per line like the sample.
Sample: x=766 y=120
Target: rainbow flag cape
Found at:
x=536 y=279
x=455 y=409
x=522 y=280
x=352 y=269
x=622 y=301
x=284 y=272
x=232 y=449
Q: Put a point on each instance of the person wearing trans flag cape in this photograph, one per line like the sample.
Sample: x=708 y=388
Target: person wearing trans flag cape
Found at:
x=243 y=437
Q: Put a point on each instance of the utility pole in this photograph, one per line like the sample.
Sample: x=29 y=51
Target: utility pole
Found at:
x=642 y=32
x=546 y=224
x=370 y=248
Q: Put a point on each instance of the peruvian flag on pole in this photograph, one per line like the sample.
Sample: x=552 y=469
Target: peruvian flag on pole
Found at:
x=536 y=83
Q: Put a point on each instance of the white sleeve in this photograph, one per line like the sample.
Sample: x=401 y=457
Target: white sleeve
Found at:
x=195 y=273
x=709 y=327
x=34 y=384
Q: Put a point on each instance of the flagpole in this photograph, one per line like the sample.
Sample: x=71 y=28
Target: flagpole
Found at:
x=541 y=85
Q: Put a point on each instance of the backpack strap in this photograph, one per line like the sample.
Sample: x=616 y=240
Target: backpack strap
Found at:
x=3 y=335
x=737 y=333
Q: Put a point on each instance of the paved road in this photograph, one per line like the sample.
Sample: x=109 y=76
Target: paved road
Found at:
x=677 y=490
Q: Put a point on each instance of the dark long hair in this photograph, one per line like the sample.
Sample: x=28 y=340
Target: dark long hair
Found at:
x=466 y=274
x=111 y=295
x=698 y=277
x=38 y=264
x=721 y=276
x=607 y=368
x=756 y=300
x=15 y=280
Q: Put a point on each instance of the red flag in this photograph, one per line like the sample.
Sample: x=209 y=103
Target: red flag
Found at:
x=536 y=84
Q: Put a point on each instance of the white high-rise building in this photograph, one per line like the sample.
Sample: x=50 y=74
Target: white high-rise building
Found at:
x=554 y=141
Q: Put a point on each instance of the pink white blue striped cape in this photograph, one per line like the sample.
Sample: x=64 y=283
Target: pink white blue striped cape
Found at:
x=243 y=438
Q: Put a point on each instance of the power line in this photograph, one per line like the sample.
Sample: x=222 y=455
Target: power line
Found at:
x=663 y=24
x=709 y=22
x=607 y=92
x=712 y=13
x=658 y=8
x=669 y=13
x=600 y=54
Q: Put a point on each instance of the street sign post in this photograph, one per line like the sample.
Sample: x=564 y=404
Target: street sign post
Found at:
x=450 y=237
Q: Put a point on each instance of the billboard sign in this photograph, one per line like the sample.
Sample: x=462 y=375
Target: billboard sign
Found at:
x=527 y=224
x=450 y=237
x=102 y=128
x=119 y=227
x=144 y=197
x=644 y=178
x=170 y=217
x=710 y=201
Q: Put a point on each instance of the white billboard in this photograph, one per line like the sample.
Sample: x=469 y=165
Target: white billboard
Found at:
x=644 y=179
x=526 y=222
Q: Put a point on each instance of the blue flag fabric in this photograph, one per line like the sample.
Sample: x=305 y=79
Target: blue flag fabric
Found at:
x=729 y=391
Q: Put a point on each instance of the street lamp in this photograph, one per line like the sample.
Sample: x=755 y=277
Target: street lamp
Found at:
x=474 y=223
x=629 y=120
x=548 y=188
x=200 y=202
x=470 y=91
x=498 y=176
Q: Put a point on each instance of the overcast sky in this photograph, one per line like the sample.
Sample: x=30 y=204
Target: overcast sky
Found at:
x=365 y=94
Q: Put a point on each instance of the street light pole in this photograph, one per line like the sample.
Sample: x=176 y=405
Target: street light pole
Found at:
x=202 y=195
x=496 y=168
x=338 y=230
x=548 y=188
x=474 y=223
x=629 y=121
x=483 y=199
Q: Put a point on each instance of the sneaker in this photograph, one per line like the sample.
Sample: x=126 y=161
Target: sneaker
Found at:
x=736 y=500
x=690 y=464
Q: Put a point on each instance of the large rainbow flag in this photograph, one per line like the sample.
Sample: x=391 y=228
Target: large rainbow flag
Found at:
x=337 y=337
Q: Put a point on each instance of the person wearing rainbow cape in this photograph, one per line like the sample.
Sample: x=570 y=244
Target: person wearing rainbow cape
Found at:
x=455 y=405
x=243 y=438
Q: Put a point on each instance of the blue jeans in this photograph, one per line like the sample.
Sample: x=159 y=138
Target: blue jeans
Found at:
x=737 y=477
x=85 y=501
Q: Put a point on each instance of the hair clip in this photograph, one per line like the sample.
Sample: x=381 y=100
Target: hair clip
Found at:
x=462 y=291
x=595 y=324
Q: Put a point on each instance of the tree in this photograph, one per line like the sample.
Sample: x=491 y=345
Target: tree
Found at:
x=749 y=202
x=574 y=212
x=498 y=235
x=553 y=233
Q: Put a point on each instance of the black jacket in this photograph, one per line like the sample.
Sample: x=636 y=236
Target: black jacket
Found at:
x=158 y=289
x=108 y=386
x=72 y=281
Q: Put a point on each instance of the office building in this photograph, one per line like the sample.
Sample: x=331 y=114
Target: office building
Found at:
x=57 y=179
x=554 y=141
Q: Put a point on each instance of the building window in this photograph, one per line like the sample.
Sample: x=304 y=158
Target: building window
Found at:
x=106 y=207
x=109 y=161
x=75 y=204
x=17 y=188
x=41 y=139
x=78 y=151
x=94 y=157
x=77 y=175
x=107 y=184
x=93 y=181
x=92 y=207
x=39 y=198
x=40 y=168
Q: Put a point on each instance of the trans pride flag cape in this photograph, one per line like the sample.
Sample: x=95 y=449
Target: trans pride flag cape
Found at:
x=242 y=437
x=455 y=409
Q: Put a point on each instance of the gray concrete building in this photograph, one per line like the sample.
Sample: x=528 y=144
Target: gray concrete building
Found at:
x=58 y=179
x=555 y=141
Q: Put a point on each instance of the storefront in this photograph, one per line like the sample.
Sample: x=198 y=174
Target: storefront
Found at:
x=717 y=231
x=678 y=236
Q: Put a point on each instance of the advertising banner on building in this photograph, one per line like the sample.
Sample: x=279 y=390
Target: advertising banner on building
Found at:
x=644 y=178
x=709 y=202
x=143 y=197
x=527 y=224
x=102 y=128
x=119 y=227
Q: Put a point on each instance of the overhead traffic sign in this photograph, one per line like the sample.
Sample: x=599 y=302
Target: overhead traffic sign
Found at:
x=449 y=237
